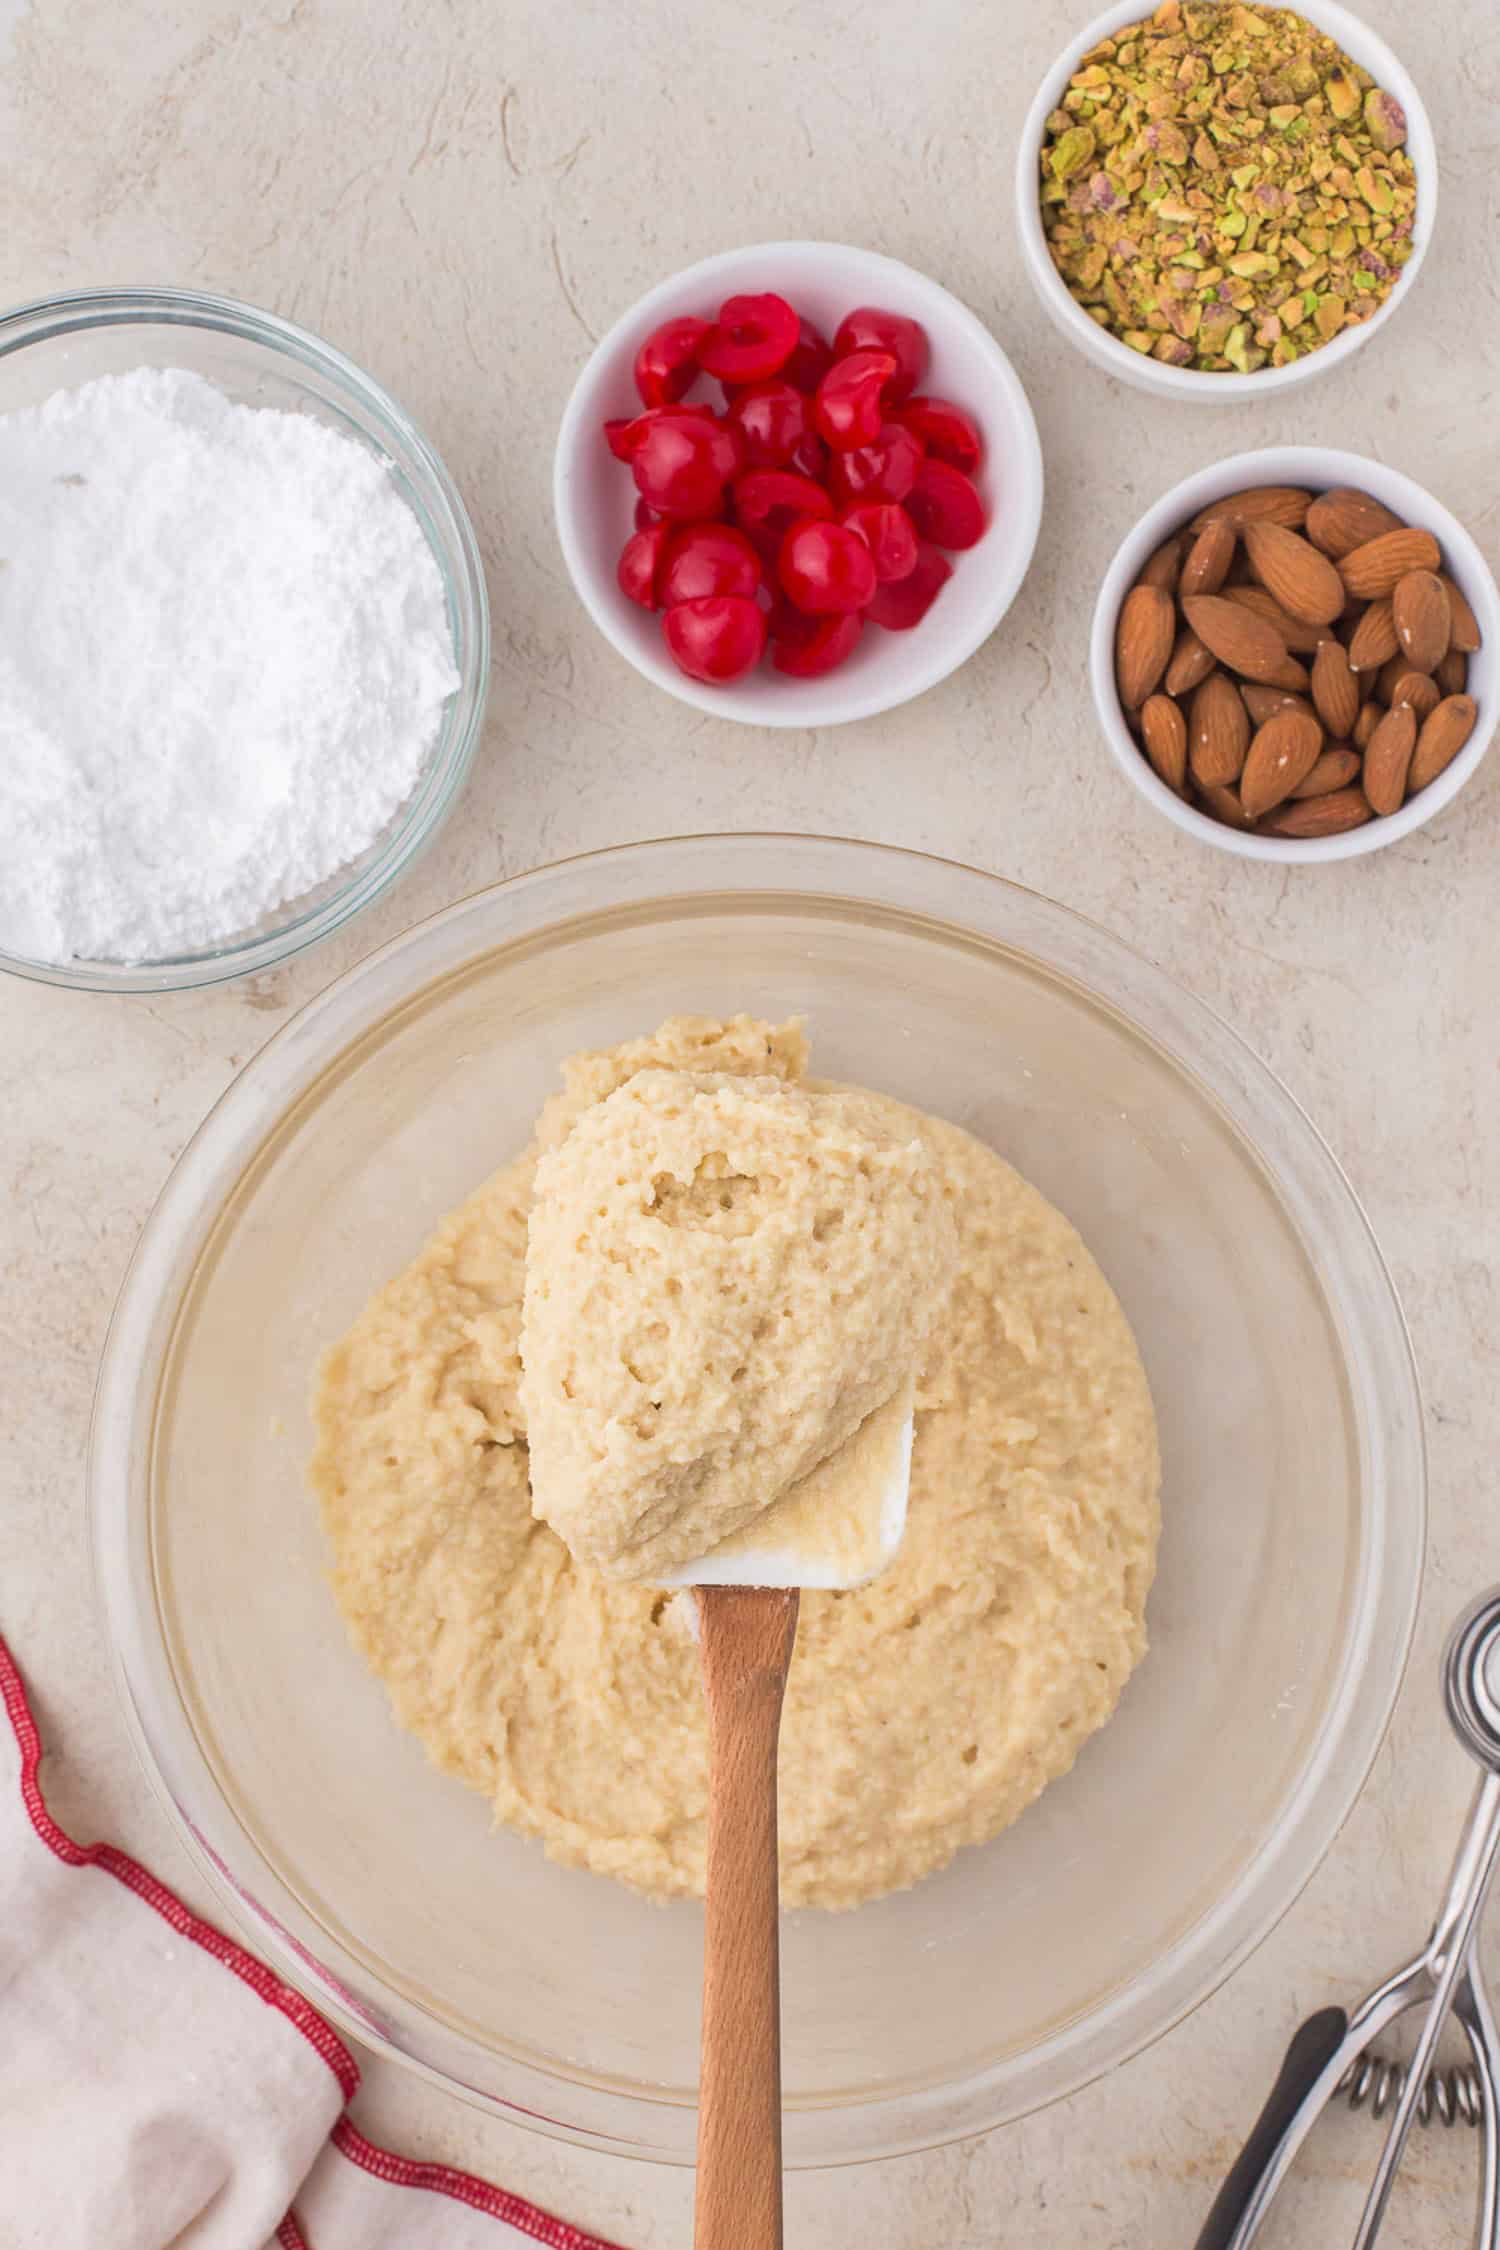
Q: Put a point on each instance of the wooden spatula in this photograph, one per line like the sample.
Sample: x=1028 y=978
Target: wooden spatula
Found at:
x=747 y=1633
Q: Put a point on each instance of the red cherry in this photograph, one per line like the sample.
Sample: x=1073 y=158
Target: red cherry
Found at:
x=945 y=507
x=826 y=569
x=640 y=564
x=847 y=410
x=716 y=638
x=785 y=622
x=683 y=460
x=887 y=531
x=646 y=516
x=870 y=329
x=709 y=558
x=810 y=361
x=774 y=421
x=886 y=470
x=947 y=431
x=772 y=500
x=667 y=363
x=618 y=437
x=811 y=458
x=904 y=602
x=753 y=338
x=830 y=642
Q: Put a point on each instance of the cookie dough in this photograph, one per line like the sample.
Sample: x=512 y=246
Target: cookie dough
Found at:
x=725 y=1277
x=924 y=1712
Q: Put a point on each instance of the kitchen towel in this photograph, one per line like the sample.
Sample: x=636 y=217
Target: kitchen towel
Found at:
x=160 y=2089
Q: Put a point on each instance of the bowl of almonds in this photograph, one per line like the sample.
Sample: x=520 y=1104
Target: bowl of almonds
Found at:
x=1294 y=655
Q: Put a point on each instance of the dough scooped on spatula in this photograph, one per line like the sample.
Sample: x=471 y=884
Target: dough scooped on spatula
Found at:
x=725 y=1278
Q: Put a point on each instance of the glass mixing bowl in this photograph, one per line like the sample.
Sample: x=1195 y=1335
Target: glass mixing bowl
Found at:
x=1290 y=1555
x=259 y=360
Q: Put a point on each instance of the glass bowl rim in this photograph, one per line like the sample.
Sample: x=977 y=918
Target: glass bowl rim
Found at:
x=454 y=546
x=1310 y=1186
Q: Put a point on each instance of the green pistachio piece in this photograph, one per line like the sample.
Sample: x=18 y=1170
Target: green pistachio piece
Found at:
x=1375 y=188
x=1240 y=352
x=1329 y=317
x=1341 y=94
x=1072 y=151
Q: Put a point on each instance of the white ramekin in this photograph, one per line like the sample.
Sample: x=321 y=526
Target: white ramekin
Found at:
x=1319 y=468
x=595 y=499
x=1107 y=352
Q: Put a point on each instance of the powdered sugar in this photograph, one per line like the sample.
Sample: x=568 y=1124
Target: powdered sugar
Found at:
x=224 y=653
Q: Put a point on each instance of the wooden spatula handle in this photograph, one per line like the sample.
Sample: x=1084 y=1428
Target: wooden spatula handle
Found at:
x=747 y=1636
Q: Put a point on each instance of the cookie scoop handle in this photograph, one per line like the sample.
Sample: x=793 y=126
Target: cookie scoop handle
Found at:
x=747 y=1633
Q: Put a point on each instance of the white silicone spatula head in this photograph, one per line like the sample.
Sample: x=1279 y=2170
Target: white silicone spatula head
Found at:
x=837 y=1528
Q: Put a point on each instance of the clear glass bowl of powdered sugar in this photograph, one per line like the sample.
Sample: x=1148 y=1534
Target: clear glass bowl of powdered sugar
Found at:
x=244 y=640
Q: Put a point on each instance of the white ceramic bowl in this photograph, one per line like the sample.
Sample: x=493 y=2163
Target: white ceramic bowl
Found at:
x=595 y=496
x=1362 y=46
x=1318 y=467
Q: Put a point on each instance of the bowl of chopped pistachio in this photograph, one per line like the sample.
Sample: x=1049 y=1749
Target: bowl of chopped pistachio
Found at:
x=1217 y=199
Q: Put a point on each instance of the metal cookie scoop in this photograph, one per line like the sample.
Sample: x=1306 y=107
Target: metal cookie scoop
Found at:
x=1446 y=1975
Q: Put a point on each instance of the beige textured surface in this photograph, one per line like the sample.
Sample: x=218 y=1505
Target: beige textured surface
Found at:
x=460 y=196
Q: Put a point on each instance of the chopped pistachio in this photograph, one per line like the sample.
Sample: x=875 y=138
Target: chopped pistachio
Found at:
x=1072 y=151
x=1218 y=176
x=1241 y=353
x=1341 y=94
x=1385 y=120
x=1377 y=188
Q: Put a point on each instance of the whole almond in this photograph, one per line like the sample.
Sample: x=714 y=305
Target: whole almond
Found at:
x=1291 y=674
x=1263 y=703
x=1334 y=768
x=1295 y=631
x=1376 y=567
x=1263 y=503
x=1341 y=520
x=1388 y=759
x=1423 y=621
x=1143 y=642
x=1452 y=674
x=1164 y=732
x=1370 y=716
x=1465 y=636
x=1420 y=690
x=1161 y=568
x=1191 y=662
x=1284 y=752
x=1208 y=560
x=1292 y=570
x=1238 y=638
x=1335 y=688
x=1332 y=815
x=1218 y=732
x=1444 y=733
x=1397 y=667
x=1374 y=641
x=1224 y=804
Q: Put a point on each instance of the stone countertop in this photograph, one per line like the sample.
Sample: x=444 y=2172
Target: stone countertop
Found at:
x=463 y=198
